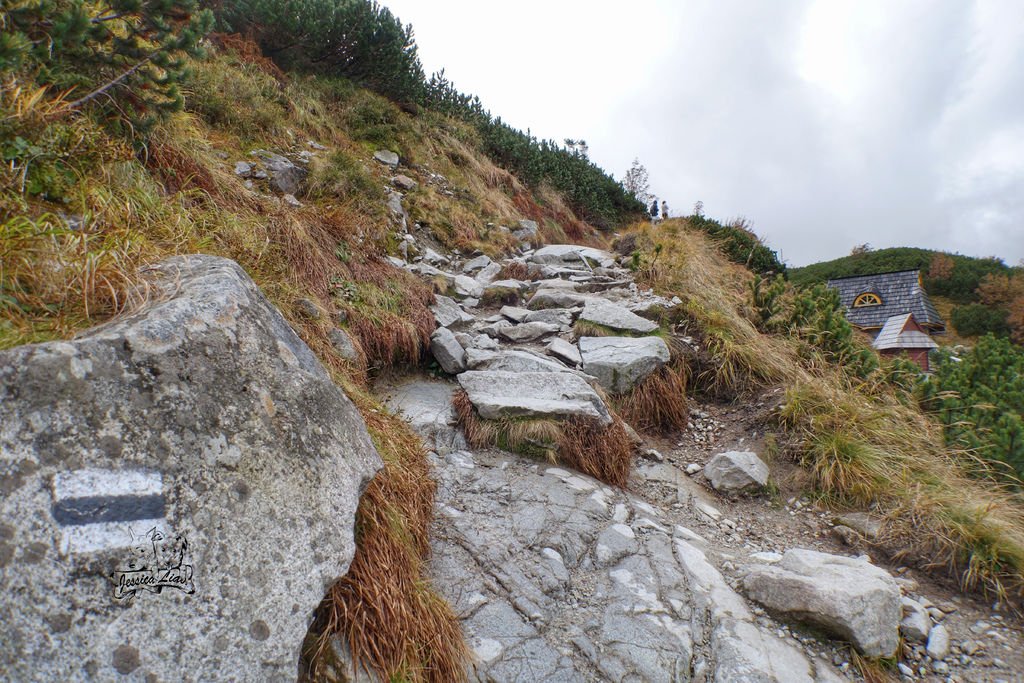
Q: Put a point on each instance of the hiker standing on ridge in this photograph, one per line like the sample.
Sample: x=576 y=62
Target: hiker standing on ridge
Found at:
x=654 y=211
x=664 y=210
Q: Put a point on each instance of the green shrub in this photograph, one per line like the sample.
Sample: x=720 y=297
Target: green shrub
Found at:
x=979 y=399
x=975 y=320
x=356 y=39
x=740 y=245
x=132 y=50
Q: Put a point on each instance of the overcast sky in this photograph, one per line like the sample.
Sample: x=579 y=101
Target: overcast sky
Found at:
x=826 y=123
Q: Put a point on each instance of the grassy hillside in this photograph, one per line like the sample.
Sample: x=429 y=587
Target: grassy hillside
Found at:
x=852 y=420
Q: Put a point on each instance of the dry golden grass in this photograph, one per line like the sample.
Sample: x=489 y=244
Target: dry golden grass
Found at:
x=603 y=452
x=514 y=270
x=390 y=620
x=658 y=403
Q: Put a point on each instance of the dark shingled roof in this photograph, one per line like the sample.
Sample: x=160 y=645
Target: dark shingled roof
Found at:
x=900 y=292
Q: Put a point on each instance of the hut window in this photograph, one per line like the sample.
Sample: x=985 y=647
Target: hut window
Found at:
x=867 y=299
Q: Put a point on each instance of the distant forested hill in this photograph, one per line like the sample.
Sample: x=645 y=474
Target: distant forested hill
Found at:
x=951 y=275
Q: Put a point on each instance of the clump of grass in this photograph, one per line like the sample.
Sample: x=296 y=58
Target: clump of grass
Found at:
x=873 y=450
x=603 y=452
x=684 y=263
x=504 y=296
x=389 y=619
x=658 y=403
x=600 y=451
x=514 y=270
x=55 y=279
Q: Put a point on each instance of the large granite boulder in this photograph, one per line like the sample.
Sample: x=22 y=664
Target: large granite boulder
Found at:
x=498 y=394
x=179 y=489
x=620 y=362
x=605 y=313
x=847 y=597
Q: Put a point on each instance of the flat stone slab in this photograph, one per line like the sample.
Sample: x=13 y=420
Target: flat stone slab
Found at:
x=526 y=332
x=556 y=298
x=427 y=406
x=620 y=362
x=179 y=482
x=502 y=394
x=570 y=253
x=558 y=577
x=607 y=314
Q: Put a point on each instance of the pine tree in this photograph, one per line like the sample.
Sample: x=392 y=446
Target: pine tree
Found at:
x=130 y=52
x=356 y=39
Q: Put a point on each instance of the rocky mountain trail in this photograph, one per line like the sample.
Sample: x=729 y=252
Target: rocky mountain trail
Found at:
x=553 y=572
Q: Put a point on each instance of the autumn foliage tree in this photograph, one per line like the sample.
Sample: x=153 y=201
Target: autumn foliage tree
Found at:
x=1006 y=292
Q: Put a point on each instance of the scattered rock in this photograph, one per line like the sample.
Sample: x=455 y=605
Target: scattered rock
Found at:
x=847 y=597
x=865 y=524
x=570 y=254
x=556 y=298
x=527 y=230
x=526 y=332
x=488 y=273
x=343 y=344
x=847 y=535
x=736 y=471
x=290 y=200
x=285 y=176
x=465 y=286
x=308 y=308
x=916 y=623
x=386 y=157
x=447 y=351
x=564 y=351
x=243 y=169
x=693 y=468
x=476 y=264
x=938 y=642
x=447 y=312
x=432 y=257
x=515 y=314
x=620 y=362
x=404 y=182
x=202 y=417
